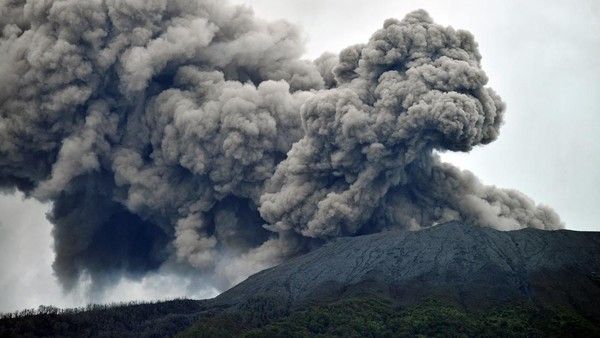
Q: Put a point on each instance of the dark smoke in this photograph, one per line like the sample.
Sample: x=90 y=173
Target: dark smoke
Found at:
x=190 y=132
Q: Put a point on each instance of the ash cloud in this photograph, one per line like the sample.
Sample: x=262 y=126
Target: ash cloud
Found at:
x=190 y=133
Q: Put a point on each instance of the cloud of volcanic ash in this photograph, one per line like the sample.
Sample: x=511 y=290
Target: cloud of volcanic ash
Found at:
x=190 y=133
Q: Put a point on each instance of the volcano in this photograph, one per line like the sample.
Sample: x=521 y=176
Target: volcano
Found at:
x=474 y=266
x=536 y=282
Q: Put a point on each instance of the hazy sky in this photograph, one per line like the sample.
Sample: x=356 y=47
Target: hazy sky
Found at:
x=540 y=56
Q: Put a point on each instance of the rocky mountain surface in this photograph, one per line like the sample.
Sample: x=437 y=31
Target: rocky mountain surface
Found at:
x=474 y=266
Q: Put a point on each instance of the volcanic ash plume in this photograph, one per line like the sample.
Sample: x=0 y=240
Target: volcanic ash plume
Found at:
x=190 y=133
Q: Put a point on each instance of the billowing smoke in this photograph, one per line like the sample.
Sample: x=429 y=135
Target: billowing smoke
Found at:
x=190 y=133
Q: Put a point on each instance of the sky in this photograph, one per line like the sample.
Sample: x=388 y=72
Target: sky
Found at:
x=541 y=57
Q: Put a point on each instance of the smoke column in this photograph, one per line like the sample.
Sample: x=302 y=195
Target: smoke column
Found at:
x=190 y=133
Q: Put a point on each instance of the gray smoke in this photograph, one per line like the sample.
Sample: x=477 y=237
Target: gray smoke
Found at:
x=190 y=133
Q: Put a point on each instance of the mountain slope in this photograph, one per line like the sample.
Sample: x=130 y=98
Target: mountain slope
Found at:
x=476 y=267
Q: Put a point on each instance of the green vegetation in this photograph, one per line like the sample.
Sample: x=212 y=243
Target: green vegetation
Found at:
x=359 y=316
x=159 y=319
x=377 y=317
